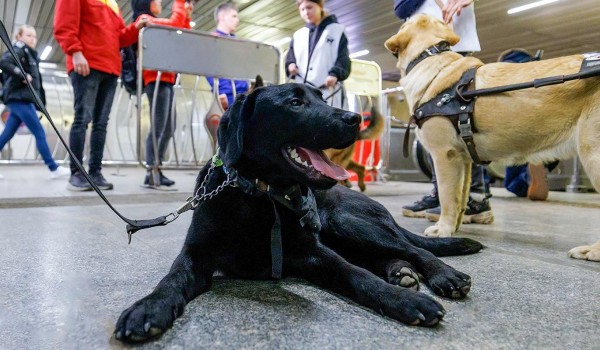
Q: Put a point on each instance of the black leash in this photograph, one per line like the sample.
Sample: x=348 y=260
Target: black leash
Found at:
x=132 y=225
x=536 y=83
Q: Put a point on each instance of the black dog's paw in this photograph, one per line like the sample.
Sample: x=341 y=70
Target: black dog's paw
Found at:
x=148 y=318
x=450 y=283
x=411 y=307
x=402 y=274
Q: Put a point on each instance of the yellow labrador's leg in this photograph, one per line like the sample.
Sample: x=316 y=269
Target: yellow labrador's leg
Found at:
x=586 y=252
x=450 y=173
x=589 y=154
x=447 y=150
x=465 y=193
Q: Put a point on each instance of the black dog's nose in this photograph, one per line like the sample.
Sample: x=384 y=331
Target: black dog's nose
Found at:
x=351 y=118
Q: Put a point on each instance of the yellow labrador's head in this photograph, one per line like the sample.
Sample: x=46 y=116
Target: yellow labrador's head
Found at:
x=417 y=34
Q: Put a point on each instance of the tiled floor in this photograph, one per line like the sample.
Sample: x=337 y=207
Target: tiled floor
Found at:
x=67 y=272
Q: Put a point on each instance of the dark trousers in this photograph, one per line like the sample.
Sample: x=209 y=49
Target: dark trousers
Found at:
x=162 y=124
x=93 y=99
x=24 y=112
x=480 y=182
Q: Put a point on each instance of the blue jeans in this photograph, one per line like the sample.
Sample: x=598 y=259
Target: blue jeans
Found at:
x=24 y=112
x=163 y=120
x=93 y=97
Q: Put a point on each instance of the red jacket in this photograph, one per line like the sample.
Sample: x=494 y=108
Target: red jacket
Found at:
x=178 y=19
x=96 y=28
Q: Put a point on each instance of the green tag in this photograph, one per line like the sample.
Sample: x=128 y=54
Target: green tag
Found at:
x=216 y=160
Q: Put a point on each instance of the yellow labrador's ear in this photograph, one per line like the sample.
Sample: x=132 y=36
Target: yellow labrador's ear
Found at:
x=396 y=43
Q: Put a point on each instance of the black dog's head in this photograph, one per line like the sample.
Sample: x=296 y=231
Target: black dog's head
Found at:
x=278 y=134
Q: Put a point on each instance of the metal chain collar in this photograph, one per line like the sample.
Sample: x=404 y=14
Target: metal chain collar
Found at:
x=201 y=194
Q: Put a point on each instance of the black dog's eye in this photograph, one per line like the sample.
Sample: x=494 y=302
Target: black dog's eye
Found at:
x=296 y=102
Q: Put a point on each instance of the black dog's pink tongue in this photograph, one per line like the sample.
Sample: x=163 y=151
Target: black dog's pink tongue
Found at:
x=320 y=162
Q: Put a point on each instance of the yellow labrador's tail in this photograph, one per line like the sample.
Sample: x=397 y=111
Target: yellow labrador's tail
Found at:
x=374 y=128
x=446 y=246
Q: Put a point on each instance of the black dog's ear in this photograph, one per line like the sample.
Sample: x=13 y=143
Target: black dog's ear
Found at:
x=231 y=129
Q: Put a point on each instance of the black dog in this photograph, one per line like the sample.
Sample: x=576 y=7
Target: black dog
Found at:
x=277 y=185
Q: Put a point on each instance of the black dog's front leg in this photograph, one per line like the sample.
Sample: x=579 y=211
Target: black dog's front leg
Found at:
x=155 y=313
x=322 y=266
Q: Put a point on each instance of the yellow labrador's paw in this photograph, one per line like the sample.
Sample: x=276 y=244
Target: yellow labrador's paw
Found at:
x=438 y=230
x=586 y=252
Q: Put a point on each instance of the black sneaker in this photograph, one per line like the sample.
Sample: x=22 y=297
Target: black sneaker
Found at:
x=78 y=182
x=100 y=181
x=418 y=208
x=476 y=212
x=164 y=181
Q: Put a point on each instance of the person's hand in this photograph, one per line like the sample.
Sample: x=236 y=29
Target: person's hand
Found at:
x=80 y=64
x=293 y=70
x=453 y=7
x=142 y=22
x=330 y=81
x=28 y=78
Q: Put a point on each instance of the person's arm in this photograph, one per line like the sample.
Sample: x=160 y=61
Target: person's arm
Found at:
x=289 y=59
x=178 y=16
x=342 y=66
x=66 y=25
x=9 y=65
x=406 y=8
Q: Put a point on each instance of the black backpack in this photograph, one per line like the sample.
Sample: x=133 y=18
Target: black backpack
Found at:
x=129 y=69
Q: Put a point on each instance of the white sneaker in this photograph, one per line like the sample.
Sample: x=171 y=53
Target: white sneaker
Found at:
x=59 y=172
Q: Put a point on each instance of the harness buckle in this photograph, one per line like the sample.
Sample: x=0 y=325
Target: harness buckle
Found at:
x=465 y=129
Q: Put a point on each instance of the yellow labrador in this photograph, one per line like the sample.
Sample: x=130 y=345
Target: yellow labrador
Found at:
x=531 y=125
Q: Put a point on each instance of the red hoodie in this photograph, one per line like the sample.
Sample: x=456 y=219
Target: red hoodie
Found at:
x=96 y=28
x=179 y=19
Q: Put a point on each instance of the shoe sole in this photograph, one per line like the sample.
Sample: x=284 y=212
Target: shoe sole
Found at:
x=413 y=214
x=485 y=218
x=105 y=188
x=70 y=187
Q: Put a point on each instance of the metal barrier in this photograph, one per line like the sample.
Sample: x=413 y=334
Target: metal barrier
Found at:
x=193 y=54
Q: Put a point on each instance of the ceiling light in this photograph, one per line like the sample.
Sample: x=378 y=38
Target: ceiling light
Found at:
x=359 y=53
x=529 y=6
x=46 y=52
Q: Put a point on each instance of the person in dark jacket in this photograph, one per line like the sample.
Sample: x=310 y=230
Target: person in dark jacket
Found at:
x=319 y=54
x=19 y=99
x=164 y=113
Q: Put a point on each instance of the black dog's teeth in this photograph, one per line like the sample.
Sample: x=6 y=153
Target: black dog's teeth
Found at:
x=293 y=154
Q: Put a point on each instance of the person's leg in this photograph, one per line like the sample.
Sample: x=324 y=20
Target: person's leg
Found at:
x=479 y=184
x=11 y=126
x=515 y=180
x=429 y=202
x=85 y=91
x=160 y=117
x=167 y=124
x=29 y=116
x=104 y=101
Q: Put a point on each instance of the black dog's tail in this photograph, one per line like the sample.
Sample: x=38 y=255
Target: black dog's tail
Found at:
x=446 y=246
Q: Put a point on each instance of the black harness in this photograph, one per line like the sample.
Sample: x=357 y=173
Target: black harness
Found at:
x=298 y=198
x=458 y=102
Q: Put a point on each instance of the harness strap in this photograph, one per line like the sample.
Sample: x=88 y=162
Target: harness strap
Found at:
x=302 y=205
x=452 y=104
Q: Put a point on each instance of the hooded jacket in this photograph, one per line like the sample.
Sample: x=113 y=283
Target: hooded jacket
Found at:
x=333 y=55
x=15 y=90
x=178 y=19
x=96 y=28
